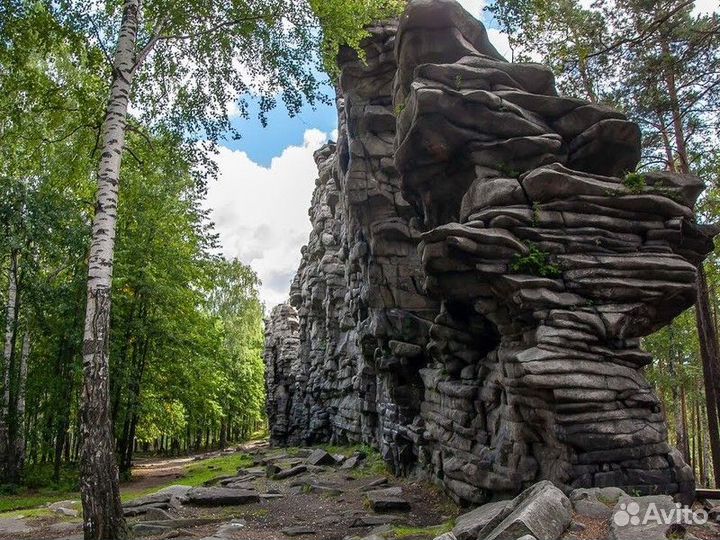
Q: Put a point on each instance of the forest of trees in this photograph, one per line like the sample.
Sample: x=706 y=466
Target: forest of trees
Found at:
x=659 y=63
x=110 y=112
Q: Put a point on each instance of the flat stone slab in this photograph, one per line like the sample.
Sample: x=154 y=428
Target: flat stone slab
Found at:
x=237 y=479
x=467 y=526
x=289 y=473
x=14 y=526
x=218 y=496
x=387 y=500
x=542 y=511
x=320 y=457
x=298 y=531
x=374 y=520
x=351 y=462
x=143 y=509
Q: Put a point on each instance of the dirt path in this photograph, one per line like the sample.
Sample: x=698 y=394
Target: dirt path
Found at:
x=321 y=503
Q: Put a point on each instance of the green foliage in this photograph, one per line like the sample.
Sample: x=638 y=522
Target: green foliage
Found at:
x=343 y=23
x=507 y=170
x=433 y=531
x=536 y=263
x=207 y=470
x=635 y=182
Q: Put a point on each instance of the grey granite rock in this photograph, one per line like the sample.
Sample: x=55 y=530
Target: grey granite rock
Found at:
x=479 y=272
x=387 y=500
x=320 y=457
x=218 y=496
x=467 y=526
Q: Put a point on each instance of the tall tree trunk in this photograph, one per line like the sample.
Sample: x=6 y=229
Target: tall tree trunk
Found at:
x=700 y=443
x=8 y=353
x=99 y=483
x=707 y=331
x=684 y=431
x=128 y=439
x=17 y=461
x=709 y=354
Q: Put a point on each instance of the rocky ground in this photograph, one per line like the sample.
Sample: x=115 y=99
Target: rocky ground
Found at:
x=312 y=494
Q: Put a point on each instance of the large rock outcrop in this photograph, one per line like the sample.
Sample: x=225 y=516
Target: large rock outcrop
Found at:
x=482 y=265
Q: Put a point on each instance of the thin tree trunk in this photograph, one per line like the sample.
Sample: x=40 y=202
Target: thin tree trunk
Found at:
x=128 y=442
x=17 y=462
x=700 y=443
x=684 y=431
x=709 y=354
x=8 y=350
x=99 y=482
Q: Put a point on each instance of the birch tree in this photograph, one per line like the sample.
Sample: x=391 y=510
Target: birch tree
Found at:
x=8 y=354
x=183 y=64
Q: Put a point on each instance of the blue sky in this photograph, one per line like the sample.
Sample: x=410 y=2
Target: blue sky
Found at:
x=263 y=144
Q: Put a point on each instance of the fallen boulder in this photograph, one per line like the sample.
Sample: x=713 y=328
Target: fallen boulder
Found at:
x=320 y=457
x=387 y=500
x=298 y=531
x=288 y=473
x=218 y=496
x=467 y=526
x=541 y=511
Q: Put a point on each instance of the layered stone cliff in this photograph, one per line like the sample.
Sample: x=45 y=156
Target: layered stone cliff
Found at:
x=481 y=267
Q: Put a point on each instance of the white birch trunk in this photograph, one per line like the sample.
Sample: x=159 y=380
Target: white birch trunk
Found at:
x=18 y=444
x=99 y=483
x=10 y=322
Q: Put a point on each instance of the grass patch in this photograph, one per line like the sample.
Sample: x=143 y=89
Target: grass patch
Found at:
x=196 y=473
x=199 y=472
x=400 y=531
x=372 y=465
x=29 y=499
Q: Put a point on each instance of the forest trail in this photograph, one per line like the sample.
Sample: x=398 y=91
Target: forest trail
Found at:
x=288 y=496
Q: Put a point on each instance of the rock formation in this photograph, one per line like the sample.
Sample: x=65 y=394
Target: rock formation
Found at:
x=482 y=265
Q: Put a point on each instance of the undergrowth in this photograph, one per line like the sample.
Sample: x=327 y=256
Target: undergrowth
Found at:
x=536 y=263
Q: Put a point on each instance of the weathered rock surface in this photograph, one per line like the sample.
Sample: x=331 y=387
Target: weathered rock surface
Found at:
x=387 y=500
x=542 y=511
x=320 y=457
x=467 y=526
x=480 y=270
x=219 y=496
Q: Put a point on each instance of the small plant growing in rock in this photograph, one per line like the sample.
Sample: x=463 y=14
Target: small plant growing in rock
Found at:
x=507 y=170
x=535 y=214
x=635 y=182
x=458 y=82
x=399 y=108
x=536 y=263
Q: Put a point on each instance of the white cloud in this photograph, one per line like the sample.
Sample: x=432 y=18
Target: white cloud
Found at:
x=500 y=41
x=706 y=7
x=261 y=212
x=474 y=7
